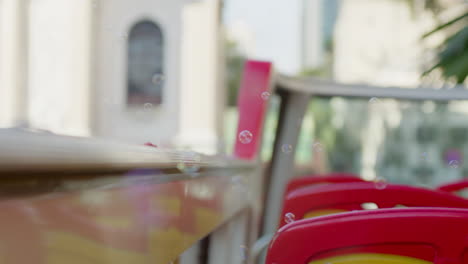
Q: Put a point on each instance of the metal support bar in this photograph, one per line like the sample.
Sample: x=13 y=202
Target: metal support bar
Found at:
x=259 y=247
x=227 y=244
x=293 y=107
x=324 y=88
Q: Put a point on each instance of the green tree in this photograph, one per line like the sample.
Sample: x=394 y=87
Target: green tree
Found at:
x=452 y=57
x=234 y=66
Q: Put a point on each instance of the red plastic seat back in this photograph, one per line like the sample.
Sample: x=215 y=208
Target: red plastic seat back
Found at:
x=397 y=235
x=252 y=104
x=454 y=187
x=336 y=177
x=351 y=196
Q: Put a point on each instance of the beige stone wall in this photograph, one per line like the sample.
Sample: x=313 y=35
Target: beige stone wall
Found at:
x=63 y=68
x=59 y=73
x=379 y=42
x=13 y=62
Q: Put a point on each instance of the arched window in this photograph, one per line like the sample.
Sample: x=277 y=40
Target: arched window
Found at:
x=145 y=73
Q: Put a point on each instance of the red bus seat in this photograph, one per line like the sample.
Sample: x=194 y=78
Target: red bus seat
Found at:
x=390 y=236
x=455 y=187
x=324 y=199
x=256 y=79
x=335 y=177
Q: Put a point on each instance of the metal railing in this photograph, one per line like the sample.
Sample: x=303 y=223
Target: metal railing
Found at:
x=295 y=95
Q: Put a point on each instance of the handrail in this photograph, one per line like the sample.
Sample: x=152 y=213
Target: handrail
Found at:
x=323 y=88
x=24 y=152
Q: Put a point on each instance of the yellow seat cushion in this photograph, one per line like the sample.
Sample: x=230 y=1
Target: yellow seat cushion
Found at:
x=323 y=212
x=370 y=258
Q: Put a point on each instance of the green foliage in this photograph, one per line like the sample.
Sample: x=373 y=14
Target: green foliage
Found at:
x=346 y=152
x=316 y=72
x=426 y=134
x=453 y=54
x=435 y=6
x=234 y=66
x=326 y=69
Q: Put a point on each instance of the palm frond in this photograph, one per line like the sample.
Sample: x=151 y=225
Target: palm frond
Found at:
x=452 y=58
x=449 y=23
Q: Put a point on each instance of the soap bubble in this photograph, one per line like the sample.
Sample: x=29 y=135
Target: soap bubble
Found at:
x=454 y=164
x=245 y=137
x=374 y=101
x=424 y=155
x=148 y=106
x=265 y=96
x=243 y=252
x=158 y=78
x=190 y=162
x=289 y=217
x=286 y=148
x=317 y=147
x=380 y=183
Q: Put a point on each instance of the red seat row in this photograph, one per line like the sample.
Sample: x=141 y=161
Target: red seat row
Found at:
x=432 y=229
x=324 y=221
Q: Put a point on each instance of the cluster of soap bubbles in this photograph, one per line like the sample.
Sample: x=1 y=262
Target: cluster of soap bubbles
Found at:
x=245 y=136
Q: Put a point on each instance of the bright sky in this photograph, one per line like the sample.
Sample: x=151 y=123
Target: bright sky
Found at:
x=275 y=27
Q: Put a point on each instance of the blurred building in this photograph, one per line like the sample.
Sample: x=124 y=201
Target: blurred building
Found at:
x=428 y=146
x=276 y=29
x=138 y=71
x=379 y=42
x=240 y=33
x=318 y=23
